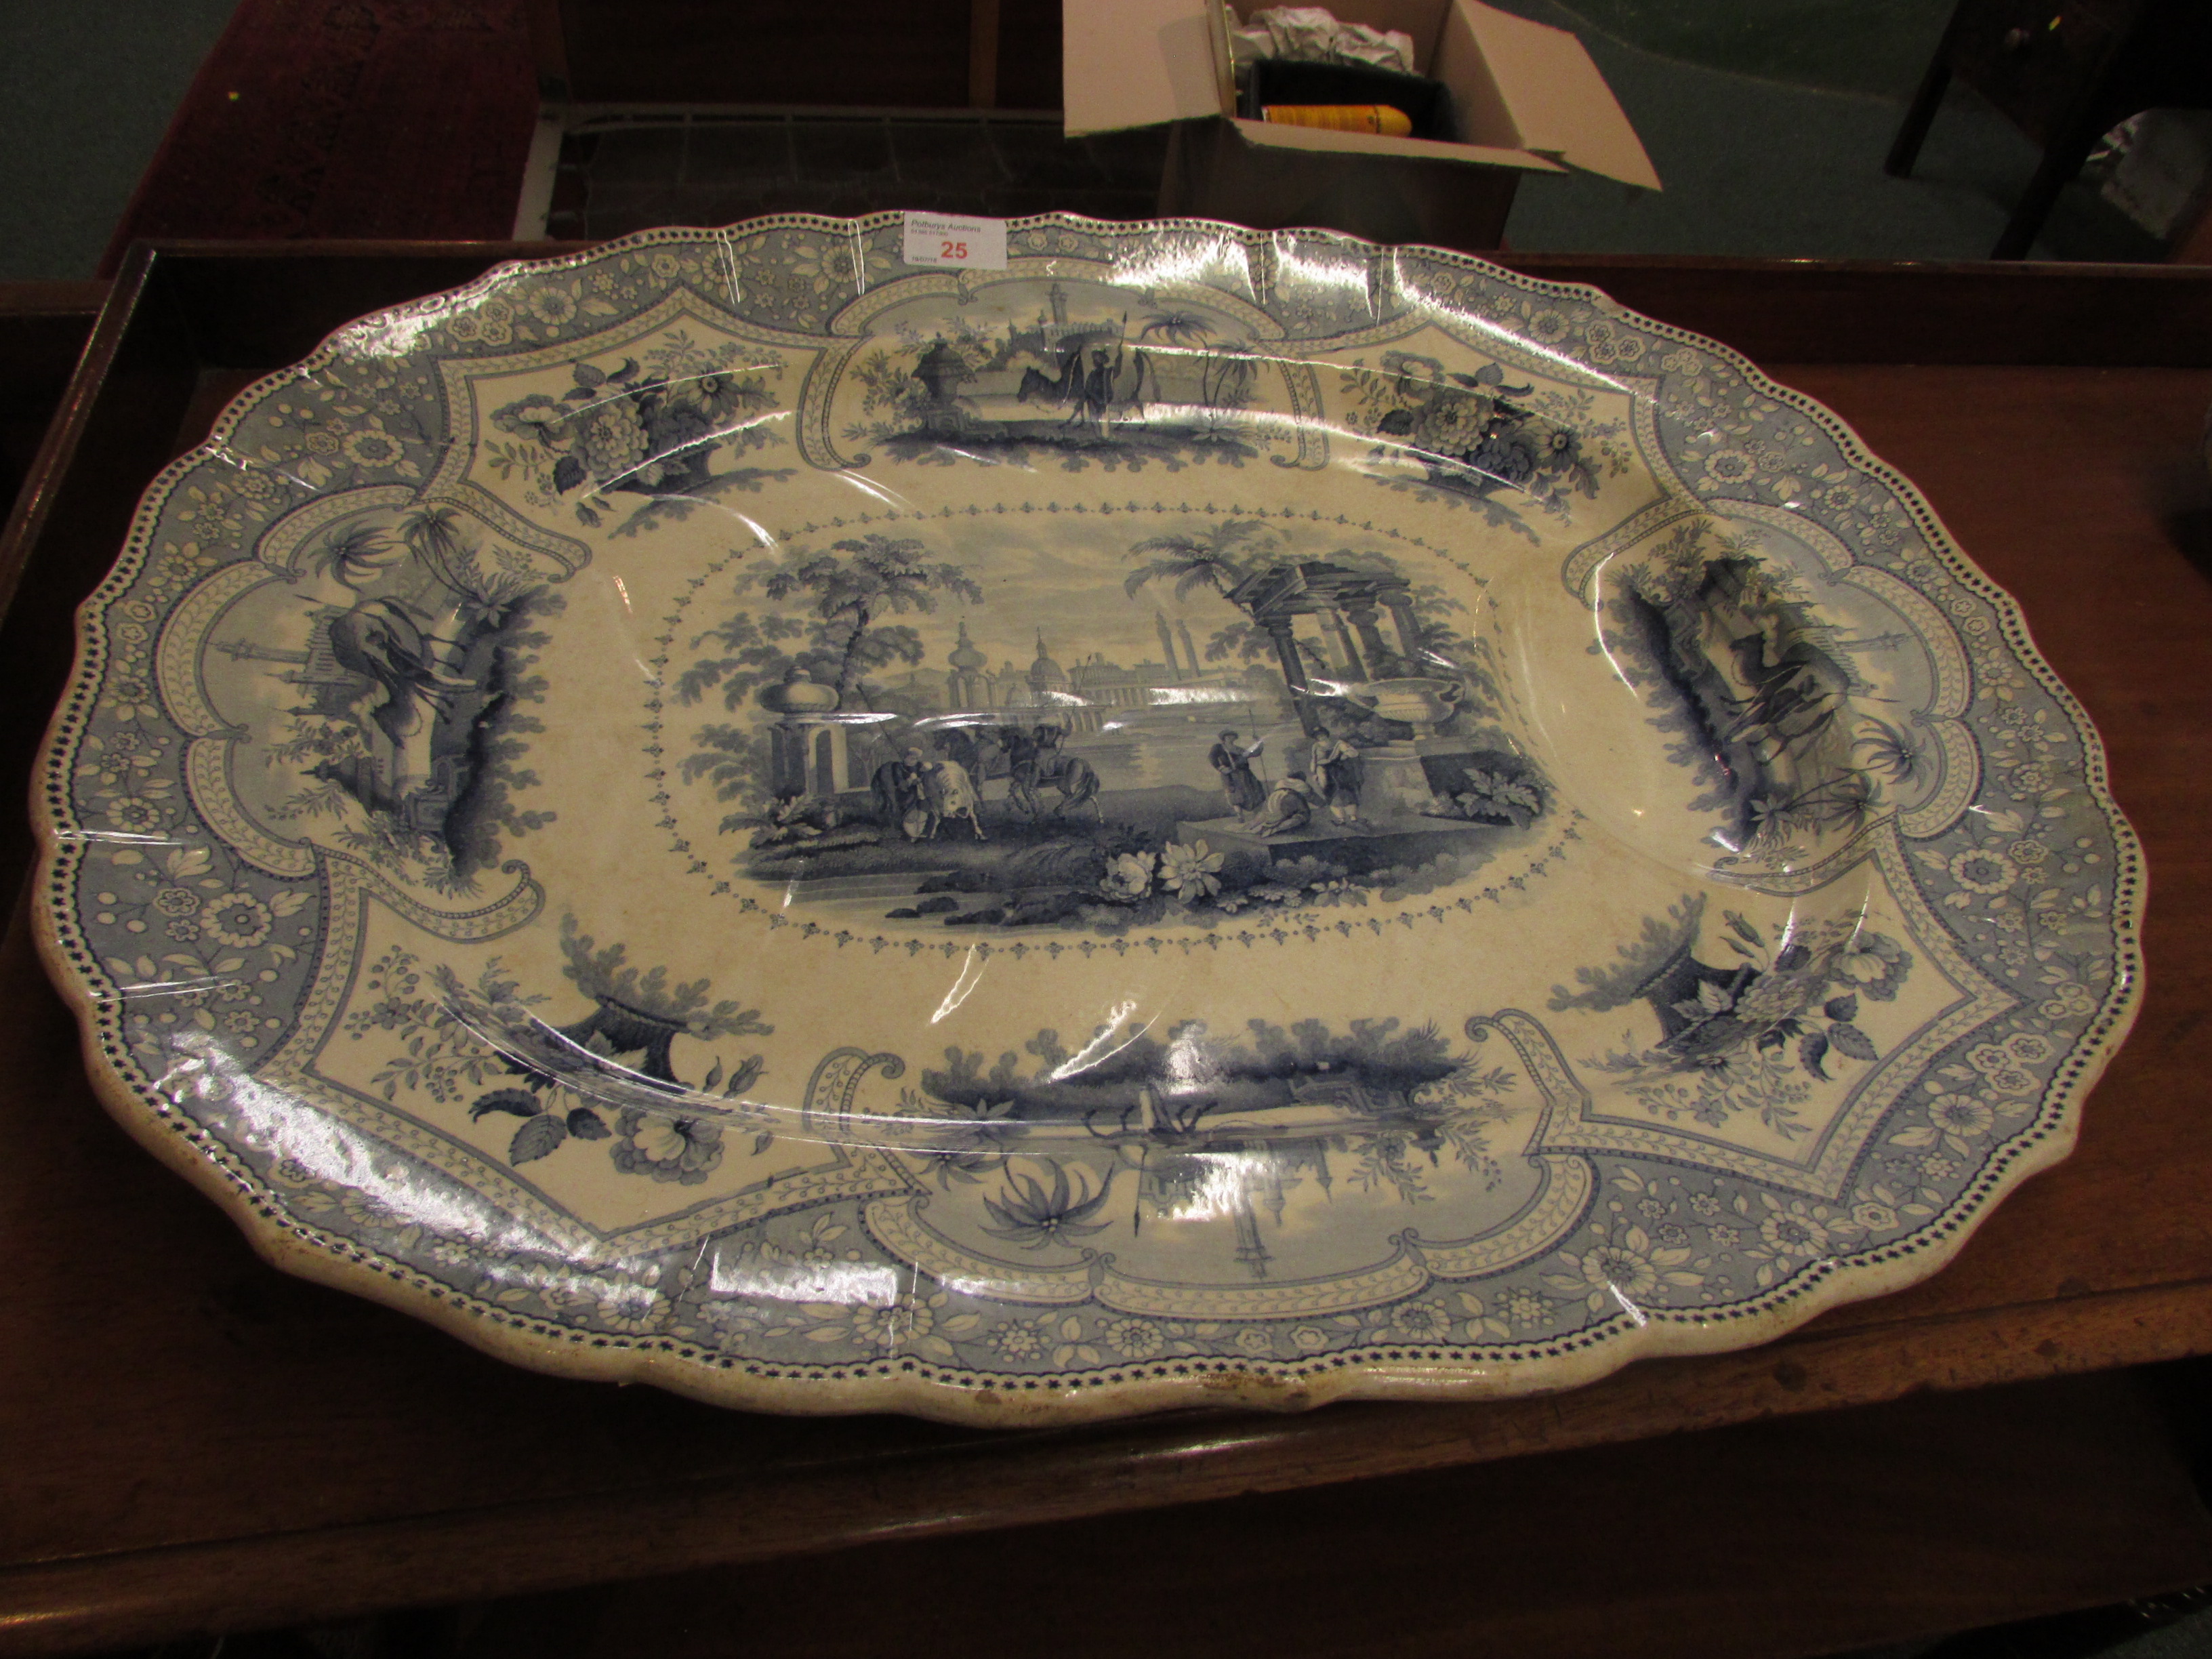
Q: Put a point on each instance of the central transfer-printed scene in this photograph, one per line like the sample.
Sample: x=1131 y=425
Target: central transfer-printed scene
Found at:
x=1102 y=720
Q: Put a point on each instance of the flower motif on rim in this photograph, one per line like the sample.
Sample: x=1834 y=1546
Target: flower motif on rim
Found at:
x=239 y=919
x=1523 y=1306
x=1136 y=1338
x=257 y=483
x=496 y=321
x=723 y=1323
x=372 y=446
x=456 y=1255
x=1729 y=466
x=134 y=747
x=881 y=1327
x=1611 y=1270
x=367 y=1210
x=177 y=901
x=1310 y=1338
x=1421 y=1322
x=1982 y=870
x=1789 y=1232
x=1874 y=1215
x=1607 y=343
x=824 y=267
x=128 y=696
x=1988 y=1057
x=1549 y=327
x=631 y=1316
x=1622 y=1274
x=1962 y=1115
x=552 y=305
x=1254 y=1339
x=138 y=813
x=1017 y=1341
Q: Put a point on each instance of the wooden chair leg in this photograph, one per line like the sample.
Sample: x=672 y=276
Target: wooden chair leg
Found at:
x=1905 y=147
x=2062 y=160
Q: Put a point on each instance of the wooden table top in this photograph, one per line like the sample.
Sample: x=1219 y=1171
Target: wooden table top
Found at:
x=195 y=1441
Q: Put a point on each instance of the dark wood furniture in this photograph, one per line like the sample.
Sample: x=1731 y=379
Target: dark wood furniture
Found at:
x=194 y=1441
x=43 y=329
x=2065 y=72
x=905 y=54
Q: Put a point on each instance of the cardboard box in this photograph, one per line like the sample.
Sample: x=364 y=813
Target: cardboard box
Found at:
x=1527 y=97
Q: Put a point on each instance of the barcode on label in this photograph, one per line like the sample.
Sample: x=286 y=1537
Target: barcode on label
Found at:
x=939 y=239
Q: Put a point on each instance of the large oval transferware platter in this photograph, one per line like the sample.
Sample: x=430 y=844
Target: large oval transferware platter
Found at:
x=1205 y=816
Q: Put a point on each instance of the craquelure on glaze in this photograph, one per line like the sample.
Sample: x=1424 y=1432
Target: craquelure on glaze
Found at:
x=1212 y=813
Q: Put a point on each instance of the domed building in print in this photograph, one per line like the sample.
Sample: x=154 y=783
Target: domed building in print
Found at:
x=970 y=684
x=1046 y=675
x=1048 y=693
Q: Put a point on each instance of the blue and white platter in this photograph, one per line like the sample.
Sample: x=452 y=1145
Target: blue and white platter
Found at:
x=1206 y=816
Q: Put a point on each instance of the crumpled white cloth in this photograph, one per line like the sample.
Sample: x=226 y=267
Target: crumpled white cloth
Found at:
x=1312 y=34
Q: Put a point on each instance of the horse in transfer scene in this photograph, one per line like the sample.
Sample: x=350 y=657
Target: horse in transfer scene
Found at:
x=1034 y=762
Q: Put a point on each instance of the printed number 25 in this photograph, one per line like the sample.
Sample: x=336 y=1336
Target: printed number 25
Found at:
x=953 y=250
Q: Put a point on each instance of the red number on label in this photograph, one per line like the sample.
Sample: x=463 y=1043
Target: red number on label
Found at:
x=953 y=250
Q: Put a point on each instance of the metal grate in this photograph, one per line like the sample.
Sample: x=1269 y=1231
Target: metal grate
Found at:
x=621 y=171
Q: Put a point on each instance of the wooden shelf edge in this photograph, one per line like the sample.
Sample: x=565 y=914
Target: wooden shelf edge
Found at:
x=52 y=299
x=233 y=1584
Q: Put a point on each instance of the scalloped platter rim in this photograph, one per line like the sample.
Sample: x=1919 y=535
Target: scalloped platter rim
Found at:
x=1213 y=816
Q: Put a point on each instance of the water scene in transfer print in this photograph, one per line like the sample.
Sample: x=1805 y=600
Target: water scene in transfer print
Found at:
x=1101 y=721
x=1067 y=372
x=1269 y=1152
x=1223 y=1154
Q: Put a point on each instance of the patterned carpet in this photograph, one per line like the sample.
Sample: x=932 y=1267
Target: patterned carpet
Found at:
x=1875 y=46
x=348 y=118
